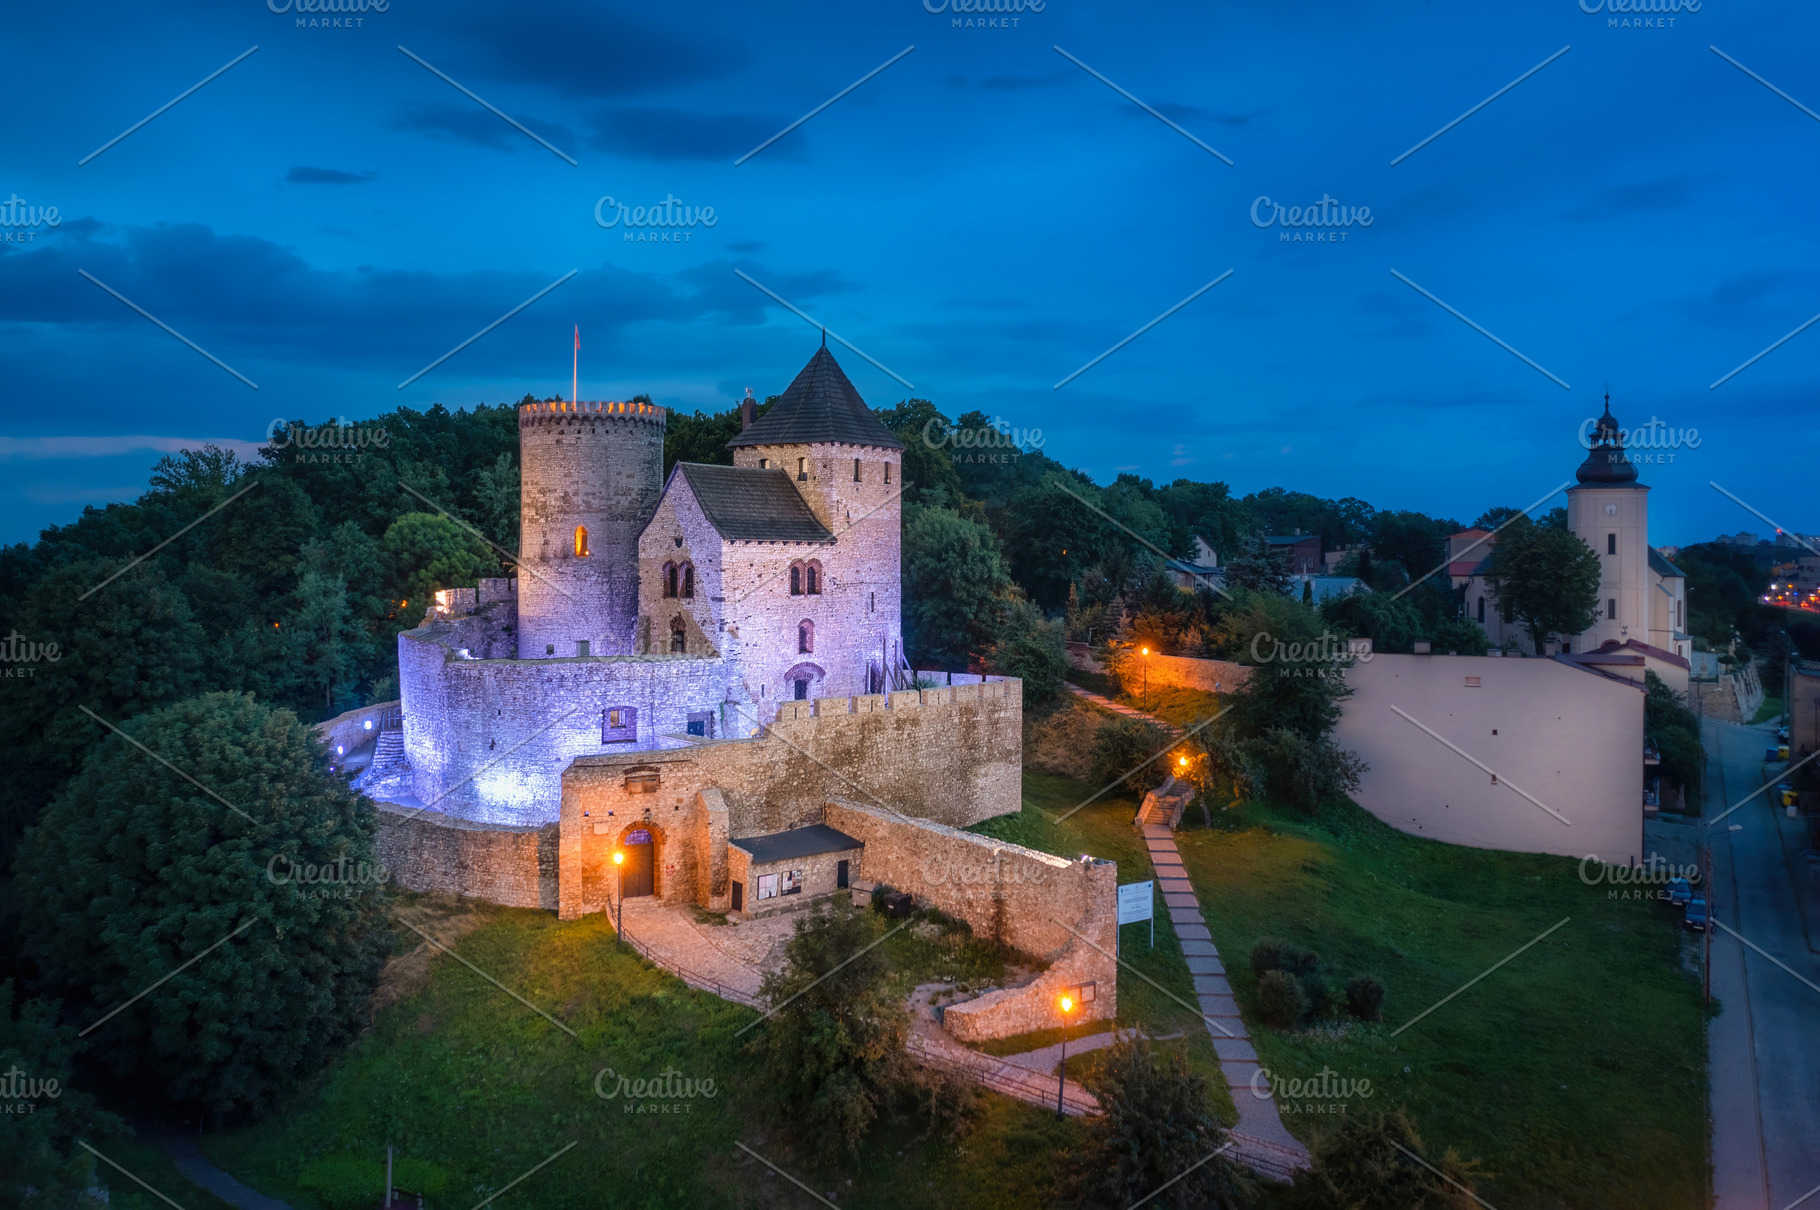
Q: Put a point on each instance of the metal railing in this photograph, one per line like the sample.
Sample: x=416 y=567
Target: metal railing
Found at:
x=1018 y=1083
x=693 y=978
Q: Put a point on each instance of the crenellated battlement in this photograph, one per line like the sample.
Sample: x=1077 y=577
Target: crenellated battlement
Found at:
x=560 y=411
x=993 y=689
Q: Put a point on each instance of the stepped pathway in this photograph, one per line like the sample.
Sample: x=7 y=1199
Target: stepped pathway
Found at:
x=1260 y=1132
x=1106 y=703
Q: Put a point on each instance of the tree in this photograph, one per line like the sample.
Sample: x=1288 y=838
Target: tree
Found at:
x=954 y=583
x=1370 y=1163
x=1255 y=566
x=1391 y=623
x=1674 y=728
x=1029 y=646
x=1545 y=579
x=135 y=872
x=1153 y=1139
x=833 y=1050
x=40 y=1162
x=428 y=551
x=928 y=468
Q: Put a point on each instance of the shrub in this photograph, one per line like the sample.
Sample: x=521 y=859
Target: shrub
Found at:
x=1270 y=954
x=1365 y=997
x=1124 y=744
x=1281 y=1000
x=1156 y=1133
x=1361 y=1166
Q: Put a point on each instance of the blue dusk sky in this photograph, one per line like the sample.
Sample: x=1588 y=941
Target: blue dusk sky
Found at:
x=983 y=217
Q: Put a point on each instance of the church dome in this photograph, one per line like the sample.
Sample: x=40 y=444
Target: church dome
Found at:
x=1606 y=465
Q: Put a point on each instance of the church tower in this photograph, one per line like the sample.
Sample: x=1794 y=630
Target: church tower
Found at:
x=1609 y=511
x=590 y=475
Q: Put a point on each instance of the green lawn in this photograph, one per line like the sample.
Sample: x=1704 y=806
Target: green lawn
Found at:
x=1769 y=711
x=460 y=1074
x=1576 y=1073
x=155 y=1168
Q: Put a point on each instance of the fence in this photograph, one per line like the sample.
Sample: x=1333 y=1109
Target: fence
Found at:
x=693 y=978
x=1019 y=1083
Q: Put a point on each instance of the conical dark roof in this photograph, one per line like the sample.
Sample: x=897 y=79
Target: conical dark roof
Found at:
x=821 y=406
x=1607 y=465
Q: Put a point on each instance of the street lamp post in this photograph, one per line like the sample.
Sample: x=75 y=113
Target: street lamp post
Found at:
x=1145 y=652
x=1066 y=1004
x=619 y=896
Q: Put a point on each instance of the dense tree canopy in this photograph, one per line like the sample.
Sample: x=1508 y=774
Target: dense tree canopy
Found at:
x=1545 y=579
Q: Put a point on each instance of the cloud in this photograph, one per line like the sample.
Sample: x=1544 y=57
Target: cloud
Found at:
x=1188 y=113
x=675 y=134
x=1021 y=83
x=1622 y=201
x=472 y=124
x=303 y=175
x=595 y=50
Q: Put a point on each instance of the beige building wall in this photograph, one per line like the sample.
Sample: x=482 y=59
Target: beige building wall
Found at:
x=1614 y=522
x=1462 y=749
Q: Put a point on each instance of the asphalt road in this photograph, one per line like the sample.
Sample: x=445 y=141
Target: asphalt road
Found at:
x=1764 y=1049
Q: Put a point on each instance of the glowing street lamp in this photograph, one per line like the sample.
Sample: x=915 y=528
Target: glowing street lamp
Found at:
x=619 y=897
x=1067 y=1006
x=1145 y=652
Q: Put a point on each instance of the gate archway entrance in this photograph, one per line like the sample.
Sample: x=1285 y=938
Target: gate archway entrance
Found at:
x=636 y=872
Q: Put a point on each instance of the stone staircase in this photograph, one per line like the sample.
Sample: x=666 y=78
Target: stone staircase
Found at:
x=1165 y=804
x=1260 y=1137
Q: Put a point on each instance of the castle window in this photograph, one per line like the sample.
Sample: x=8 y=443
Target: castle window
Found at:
x=887 y=472
x=581 y=541
x=678 y=636
x=669 y=579
x=619 y=725
x=1481 y=611
x=688 y=580
x=764 y=464
x=1611 y=607
x=805 y=637
x=802 y=468
x=812 y=578
x=796 y=579
x=871 y=601
x=1611 y=544
x=856 y=470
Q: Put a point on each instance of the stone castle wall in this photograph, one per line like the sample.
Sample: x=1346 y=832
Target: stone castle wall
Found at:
x=429 y=851
x=1040 y=904
x=953 y=755
x=488 y=739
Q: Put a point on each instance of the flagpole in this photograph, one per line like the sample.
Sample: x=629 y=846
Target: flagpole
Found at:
x=575 y=370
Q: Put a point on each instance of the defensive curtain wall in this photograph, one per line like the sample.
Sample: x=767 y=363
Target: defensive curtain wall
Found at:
x=953 y=755
x=1065 y=912
x=1479 y=750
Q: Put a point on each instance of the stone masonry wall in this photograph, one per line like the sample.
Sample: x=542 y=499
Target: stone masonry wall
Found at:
x=430 y=851
x=819 y=874
x=1043 y=905
x=953 y=755
x=1209 y=676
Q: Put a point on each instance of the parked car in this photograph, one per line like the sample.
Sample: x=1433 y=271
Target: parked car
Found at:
x=1680 y=891
x=1697 y=918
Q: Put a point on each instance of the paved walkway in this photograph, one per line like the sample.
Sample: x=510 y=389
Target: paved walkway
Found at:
x=1106 y=703
x=190 y=1160
x=1260 y=1128
x=1763 y=1050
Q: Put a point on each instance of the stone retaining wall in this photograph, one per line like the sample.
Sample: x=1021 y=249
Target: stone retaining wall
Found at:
x=1061 y=911
x=431 y=851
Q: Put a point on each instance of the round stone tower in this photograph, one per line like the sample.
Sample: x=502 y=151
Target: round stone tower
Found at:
x=591 y=474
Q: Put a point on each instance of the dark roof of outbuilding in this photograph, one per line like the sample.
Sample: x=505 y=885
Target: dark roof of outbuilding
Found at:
x=1658 y=563
x=746 y=504
x=797 y=842
x=821 y=406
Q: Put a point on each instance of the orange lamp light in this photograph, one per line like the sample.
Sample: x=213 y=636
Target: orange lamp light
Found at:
x=1066 y=1003
x=619 y=858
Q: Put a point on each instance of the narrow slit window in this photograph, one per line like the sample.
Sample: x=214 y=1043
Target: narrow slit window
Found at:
x=581 y=541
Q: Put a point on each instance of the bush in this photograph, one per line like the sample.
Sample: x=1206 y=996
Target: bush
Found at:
x=1360 y=1166
x=1281 y=1000
x=1272 y=954
x=134 y=873
x=1125 y=744
x=1365 y=997
x=41 y=1164
x=346 y=1183
x=1301 y=966
x=1156 y=1134
x=1029 y=646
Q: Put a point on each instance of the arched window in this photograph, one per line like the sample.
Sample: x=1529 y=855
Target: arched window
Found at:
x=669 y=579
x=805 y=637
x=688 y=580
x=679 y=639
x=796 y=579
x=581 y=541
x=812 y=578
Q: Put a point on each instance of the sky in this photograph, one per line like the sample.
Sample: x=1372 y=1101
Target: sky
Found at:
x=982 y=217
